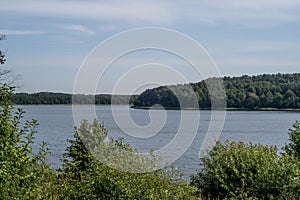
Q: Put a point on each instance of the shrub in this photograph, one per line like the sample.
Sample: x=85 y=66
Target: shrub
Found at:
x=23 y=175
x=241 y=171
x=293 y=148
x=86 y=177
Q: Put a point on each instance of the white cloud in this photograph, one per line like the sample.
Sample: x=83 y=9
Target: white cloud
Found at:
x=20 y=32
x=133 y=11
x=261 y=13
x=79 y=28
x=166 y=12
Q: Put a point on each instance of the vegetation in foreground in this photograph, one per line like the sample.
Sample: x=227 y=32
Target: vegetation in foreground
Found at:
x=248 y=171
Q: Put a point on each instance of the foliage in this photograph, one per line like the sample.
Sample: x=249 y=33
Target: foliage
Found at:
x=3 y=72
x=92 y=179
x=23 y=174
x=2 y=56
x=241 y=171
x=293 y=148
x=245 y=92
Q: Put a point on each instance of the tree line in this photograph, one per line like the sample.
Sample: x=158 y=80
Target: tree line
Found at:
x=63 y=98
x=245 y=92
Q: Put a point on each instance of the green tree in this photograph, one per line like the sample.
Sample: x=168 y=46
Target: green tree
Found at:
x=3 y=72
x=23 y=174
x=88 y=178
x=252 y=101
x=290 y=99
x=278 y=100
x=268 y=102
x=2 y=56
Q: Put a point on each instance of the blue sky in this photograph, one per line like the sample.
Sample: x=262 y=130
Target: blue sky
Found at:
x=48 y=39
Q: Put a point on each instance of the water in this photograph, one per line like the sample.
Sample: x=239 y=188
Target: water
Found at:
x=56 y=125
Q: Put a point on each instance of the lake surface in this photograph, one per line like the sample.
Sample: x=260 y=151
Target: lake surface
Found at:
x=265 y=127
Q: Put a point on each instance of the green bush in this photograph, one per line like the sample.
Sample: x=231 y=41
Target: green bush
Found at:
x=92 y=179
x=23 y=175
x=241 y=171
x=293 y=148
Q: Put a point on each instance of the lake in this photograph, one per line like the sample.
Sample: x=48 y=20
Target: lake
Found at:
x=56 y=125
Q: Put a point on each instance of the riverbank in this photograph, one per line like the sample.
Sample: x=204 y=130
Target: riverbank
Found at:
x=169 y=108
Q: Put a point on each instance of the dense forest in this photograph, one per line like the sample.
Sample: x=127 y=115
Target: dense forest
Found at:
x=245 y=92
x=62 y=98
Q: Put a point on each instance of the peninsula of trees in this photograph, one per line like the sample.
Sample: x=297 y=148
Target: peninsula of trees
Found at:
x=278 y=91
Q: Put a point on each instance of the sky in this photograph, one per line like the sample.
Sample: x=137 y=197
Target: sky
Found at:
x=47 y=40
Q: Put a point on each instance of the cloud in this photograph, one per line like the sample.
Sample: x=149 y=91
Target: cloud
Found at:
x=248 y=14
x=135 y=11
x=79 y=28
x=20 y=32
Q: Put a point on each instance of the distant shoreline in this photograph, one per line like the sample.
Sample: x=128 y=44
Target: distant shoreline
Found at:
x=168 y=108
x=266 y=92
x=73 y=105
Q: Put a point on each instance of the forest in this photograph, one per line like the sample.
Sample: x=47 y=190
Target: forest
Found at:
x=63 y=98
x=278 y=91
